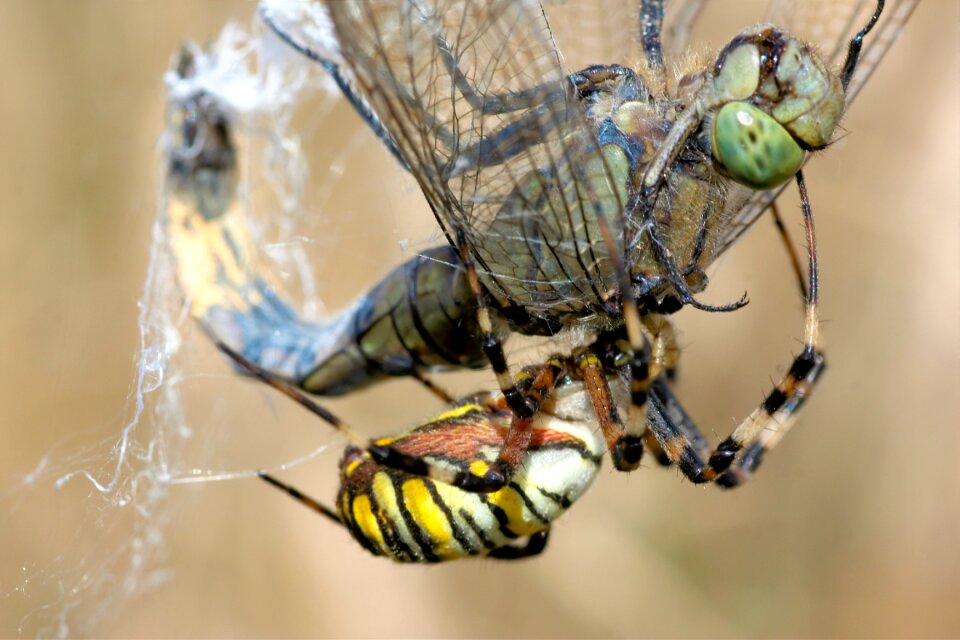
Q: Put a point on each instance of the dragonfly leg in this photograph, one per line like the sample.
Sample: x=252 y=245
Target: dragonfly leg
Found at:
x=531 y=128
x=790 y=249
x=356 y=100
x=651 y=24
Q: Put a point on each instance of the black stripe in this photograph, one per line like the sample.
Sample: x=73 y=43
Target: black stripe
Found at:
x=356 y=531
x=803 y=365
x=576 y=446
x=773 y=402
x=425 y=334
x=501 y=517
x=494 y=354
x=401 y=550
x=373 y=366
x=561 y=500
x=723 y=457
x=458 y=535
x=418 y=363
x=481 y=534
x=528 y=503
x=426 y=547
x=799 y=370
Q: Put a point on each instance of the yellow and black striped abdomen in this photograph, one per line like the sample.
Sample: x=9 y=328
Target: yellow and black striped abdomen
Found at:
x=412 y=518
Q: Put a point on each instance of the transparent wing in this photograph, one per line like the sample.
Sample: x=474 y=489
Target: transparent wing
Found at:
x=829 y=25
x=476 y=98
x=608 y=31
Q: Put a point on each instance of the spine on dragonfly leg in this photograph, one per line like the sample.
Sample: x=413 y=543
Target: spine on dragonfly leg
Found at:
x=420 y=316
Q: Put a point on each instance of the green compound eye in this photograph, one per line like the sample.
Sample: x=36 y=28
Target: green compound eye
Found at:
x=753 y=148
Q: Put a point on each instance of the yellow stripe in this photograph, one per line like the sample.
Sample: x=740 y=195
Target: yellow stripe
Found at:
x=430 y=517
x=367 y=522
x=512 y=505
x=383 y=492
x=457 y=412
x=479 y=468
x=352 y=467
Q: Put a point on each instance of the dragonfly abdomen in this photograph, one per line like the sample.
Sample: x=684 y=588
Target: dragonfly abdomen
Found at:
x=420 y=316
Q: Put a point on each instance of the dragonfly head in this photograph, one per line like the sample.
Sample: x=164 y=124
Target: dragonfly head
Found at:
x=775 y=99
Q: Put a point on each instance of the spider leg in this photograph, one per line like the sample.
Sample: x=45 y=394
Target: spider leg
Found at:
x=625 y=445
x=665 y=356
x=683 y=443
x=523 y=403
x=533 y=387
x=765 y=426
x=780 y=422
x=292 y=392
x=627 y=450
x=521 y=427
x=431 y=386
x=754 y=451
x=665 y=350
x=300 y=497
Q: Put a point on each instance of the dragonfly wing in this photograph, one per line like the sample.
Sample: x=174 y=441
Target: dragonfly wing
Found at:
x=476 y=98
x=608 y=31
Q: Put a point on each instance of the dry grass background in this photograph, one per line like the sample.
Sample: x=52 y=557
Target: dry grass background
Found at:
x=851 y=528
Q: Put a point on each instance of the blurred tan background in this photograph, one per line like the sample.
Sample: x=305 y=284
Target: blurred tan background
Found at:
x=850 y=529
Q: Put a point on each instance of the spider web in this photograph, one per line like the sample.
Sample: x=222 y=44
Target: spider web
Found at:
x=126 y=484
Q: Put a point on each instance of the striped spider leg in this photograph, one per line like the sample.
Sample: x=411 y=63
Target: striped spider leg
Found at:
x=679 y=441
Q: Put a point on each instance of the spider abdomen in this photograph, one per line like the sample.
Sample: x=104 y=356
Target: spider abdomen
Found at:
x=413 y=518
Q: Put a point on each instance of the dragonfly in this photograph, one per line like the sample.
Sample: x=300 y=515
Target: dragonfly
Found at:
x=588 y=202
x=526 y=165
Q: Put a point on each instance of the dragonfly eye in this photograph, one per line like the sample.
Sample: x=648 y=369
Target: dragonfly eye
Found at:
x=806 y=97
x=752 y=147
